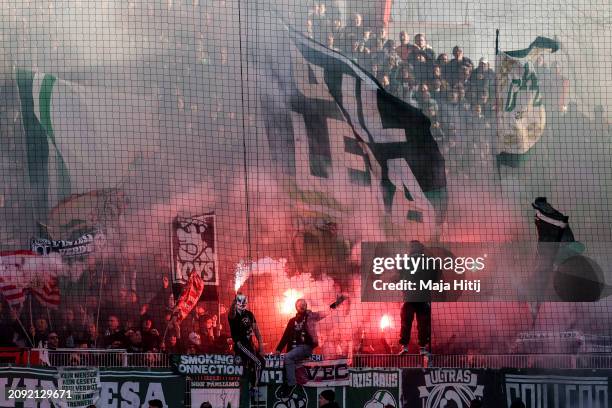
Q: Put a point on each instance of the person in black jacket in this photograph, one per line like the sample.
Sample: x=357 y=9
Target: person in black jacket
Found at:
x=300 y=338
x=242 y=327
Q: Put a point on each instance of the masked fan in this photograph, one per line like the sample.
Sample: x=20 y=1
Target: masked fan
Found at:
x=243 y=326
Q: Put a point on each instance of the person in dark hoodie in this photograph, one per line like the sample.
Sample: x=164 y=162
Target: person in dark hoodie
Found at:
x=300 y=339
x=327 y=399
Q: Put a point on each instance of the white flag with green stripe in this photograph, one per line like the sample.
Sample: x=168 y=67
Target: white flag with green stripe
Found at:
x=81 y=138
x=43 y=154
x=521 y=114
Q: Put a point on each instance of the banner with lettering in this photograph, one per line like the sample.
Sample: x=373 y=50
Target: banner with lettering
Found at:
x=215 y=394
x=448 y=387
x=373 y=388
x=313 y=373
x=193 y=246
x=557 y=388
x=83 y=383
x=81 y=386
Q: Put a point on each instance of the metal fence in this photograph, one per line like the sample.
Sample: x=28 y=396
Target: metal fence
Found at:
x=121 y=358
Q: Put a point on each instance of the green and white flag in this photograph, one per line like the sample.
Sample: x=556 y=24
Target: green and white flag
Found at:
x=35 y=92
x=82 y=137
x=521 y=114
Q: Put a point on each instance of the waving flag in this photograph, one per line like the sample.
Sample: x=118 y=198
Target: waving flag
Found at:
x=343 y=138
x=48 y=294
x=190 y=296
x=81 y=138
x=521 y=114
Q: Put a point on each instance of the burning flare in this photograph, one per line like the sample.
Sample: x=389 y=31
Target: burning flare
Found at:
x=288 y=304
x=385 y=322
x=241 y=274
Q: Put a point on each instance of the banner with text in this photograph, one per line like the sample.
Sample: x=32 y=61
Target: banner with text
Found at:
x=105 y=388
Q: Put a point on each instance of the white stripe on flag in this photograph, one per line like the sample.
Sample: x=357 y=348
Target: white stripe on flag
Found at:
x=36 y=87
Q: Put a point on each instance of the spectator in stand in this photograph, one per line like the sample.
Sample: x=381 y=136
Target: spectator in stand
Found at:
x=442 y=60
x=482 y=99
x=377 y=55
x=171 y=345
x=379 y=37
x=321 y=23
x=454 y=70
x=352 y=33
x=422 y=96
x=422 y=67
x=330 y=42
x=135 y=341
x=91 y=337
x=114 y=337
x=403 y=85
x=436 y=74
x=40 y=332
x=431 y=111
x=209 y=338
x=483 y=77
x=68 y=328
x=450 y=113
x=464 y=75
x=404 y=49
x=151 y=340
x=337 y=27
x=435 y=88
x=464 y=104
x=309 y=31
x=53 y=341
x=517 y=403
x=193 y=342
x=162 y=301
x=420 y=45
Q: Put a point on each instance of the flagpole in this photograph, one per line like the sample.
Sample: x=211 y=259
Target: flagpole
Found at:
x=497 y=41
x=49 y=318
x=494 y=145
x=99 y=301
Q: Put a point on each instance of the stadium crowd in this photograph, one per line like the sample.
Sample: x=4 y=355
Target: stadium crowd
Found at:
x=457 y=94
x=124 y=323
x=454 y=92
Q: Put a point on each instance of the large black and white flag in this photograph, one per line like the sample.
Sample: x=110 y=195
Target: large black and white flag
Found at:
x=350 y=145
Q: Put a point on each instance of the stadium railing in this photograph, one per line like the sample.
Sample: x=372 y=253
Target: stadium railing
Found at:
x=121 y=358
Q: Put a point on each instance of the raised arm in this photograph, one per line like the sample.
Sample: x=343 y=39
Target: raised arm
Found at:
x=340 y=298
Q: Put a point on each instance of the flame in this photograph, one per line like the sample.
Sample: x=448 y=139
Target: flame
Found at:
x=241 y=274
x=385 y=322
x=288 y=304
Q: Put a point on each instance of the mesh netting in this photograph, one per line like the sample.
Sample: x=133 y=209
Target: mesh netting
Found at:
x=252 y=143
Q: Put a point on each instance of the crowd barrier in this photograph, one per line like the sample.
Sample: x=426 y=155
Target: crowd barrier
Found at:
x=121 y=358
